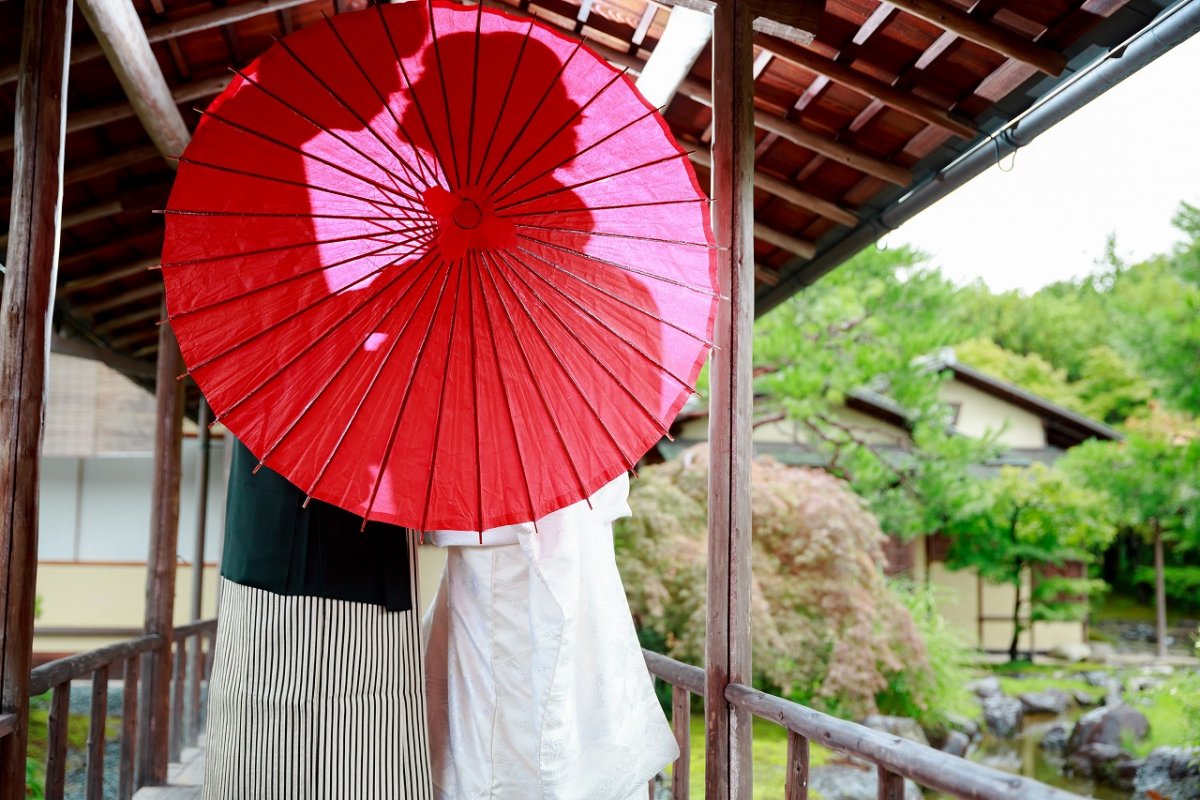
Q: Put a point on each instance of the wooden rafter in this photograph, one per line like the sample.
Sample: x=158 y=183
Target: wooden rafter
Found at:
x=790 y=194
x=124 y=298
x=783 y=241
x=108 y=276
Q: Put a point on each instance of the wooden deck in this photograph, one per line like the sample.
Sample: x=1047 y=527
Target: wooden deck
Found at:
x=184 y=779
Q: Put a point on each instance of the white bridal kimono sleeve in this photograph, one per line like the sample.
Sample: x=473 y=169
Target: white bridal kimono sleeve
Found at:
x=536 y=684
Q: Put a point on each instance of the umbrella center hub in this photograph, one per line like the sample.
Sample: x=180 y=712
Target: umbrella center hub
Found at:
x=468 y=215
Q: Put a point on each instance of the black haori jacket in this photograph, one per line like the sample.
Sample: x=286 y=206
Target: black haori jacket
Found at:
x=272 y=543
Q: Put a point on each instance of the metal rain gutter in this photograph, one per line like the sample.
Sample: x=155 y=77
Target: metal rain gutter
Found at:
x=1170 y=28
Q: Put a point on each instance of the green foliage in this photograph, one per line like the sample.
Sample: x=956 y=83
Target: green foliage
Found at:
x=827 y=630
x=34 y=788
x=1182 y=585
x=1029 y=370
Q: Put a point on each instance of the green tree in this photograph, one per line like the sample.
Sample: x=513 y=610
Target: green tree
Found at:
x=1026 y=520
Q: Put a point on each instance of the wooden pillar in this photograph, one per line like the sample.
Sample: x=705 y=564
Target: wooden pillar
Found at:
x=160 y=577
x=203 y=441
x=727 y=639
x=25 y=316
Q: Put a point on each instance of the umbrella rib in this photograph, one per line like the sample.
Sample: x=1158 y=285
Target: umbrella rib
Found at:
x=313 y=156
x=387 y=31
x=616 y=297
x=533 y=114
x=281 y=214
x=533 y=379
x=574 y=155
x=302 y=311
x=558 y=131
x=345 y=363
x=412 y=376
x=475 y=402
x=614 y=235
x=610 y=207
x=335 y=134
x=437 y=54
x=474 y=89
x=276 y=284
x=617 y=381
x=342 y=102
x=286 y=181
x=596 y=319
x=317 y=340
x=590 y=181
x=626 y=268
x=508 y=412
x=512 y=79
x=374 y=235
x=383 y=101
x=437 y=425
x=367 y=393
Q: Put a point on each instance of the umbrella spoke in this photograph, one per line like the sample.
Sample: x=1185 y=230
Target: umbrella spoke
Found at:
x=614 y=235
x=513 y=190
x=335 y=134
x=280 y=215
x=647 y=312
x=372 y=382
x=478 y=407
x=305 y=310
x=616 y=379
x=512 y=79
x=508 y=412
x=611 y=207
x=474 y=88
x=437 y=54
x=643 y=273
x=354 y=351
x=422 y=350
x=599 y=322
x=590 y=181
x=372 y=236
x=558 y=131
x=532 y=114
x=533 y=381
x=353 y=312
x=289 y=279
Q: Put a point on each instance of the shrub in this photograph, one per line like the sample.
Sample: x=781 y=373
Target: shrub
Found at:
x=1181 y=583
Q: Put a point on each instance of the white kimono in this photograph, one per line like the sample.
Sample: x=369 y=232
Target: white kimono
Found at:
x=536 y=685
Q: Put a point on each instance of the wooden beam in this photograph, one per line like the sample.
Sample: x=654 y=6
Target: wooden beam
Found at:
x=92 y=281
x=133 y=317
x=124 y=298
x=80 y=348
x=955 y=20
x=119 y=31
x=684 y=39
x=25 y=313
x=727 y=635
x=160 y=575
x=790 y=194
x=783 y=241
x=103 y=166
x=910 y=104
x=82 y=216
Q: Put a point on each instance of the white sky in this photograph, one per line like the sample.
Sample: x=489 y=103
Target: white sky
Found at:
x=1120 y=165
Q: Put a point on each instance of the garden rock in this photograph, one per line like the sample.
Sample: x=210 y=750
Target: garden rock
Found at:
x=1085 y=699
x=1073 y=652
x=961 y=722
x=1169 y=773
x=1106 y=763
x=986 y=687
x=1003 y=715
x=956 y=744
x=903 y=727
x=1099 y=678
x=1055 y=738
x=1047 y=701
x=1102 y=651
x=1108 y=725
x=835 y=782
x=1143 y=683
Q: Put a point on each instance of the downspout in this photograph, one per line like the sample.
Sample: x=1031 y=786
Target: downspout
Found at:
x=1170 y=28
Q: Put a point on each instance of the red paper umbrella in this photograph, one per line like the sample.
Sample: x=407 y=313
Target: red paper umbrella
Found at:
x=439 y=266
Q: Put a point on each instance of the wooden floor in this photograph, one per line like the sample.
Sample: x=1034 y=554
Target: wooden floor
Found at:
x=184 y=778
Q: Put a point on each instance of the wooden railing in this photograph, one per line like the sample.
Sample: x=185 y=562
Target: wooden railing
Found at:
x=894 y=757
x=122 y=660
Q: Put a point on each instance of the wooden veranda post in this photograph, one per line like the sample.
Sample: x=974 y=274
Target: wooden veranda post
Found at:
x=727 y=638
x=160 y=576
x=25 y=316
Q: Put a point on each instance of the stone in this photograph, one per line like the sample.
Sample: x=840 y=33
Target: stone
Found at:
x=1142 y=683
x=1055 y=738
x=903 y=727
x=1102 y=651
x=986 y=687
x=1106 y=763
x=1047 y=701
x=1072 y=651
x=1100 y=678
x=1085 y=699
x=1003 y=715
x=838 y=782
x=1169 y=773
x=961 y=722
x=1108 y=725
x=956 y=744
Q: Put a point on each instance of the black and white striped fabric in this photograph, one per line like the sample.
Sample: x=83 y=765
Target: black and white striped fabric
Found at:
x=315 y=699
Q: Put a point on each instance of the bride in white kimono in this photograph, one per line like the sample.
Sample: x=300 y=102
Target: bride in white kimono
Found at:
x=536 y=683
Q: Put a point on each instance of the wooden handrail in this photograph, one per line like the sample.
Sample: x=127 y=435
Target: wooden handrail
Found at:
x=47 y=676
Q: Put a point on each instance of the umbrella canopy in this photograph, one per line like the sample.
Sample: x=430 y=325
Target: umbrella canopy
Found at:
x=439 y=266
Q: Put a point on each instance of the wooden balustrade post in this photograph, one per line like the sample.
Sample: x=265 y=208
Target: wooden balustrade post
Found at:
x=56 y=746
x=727 y=639
x=129 y=726
x=178 y=680
x=681 y=724
x=891 y=785
x=155 y=723
x=25 y=320
x=95 y=743
x=796 y=786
